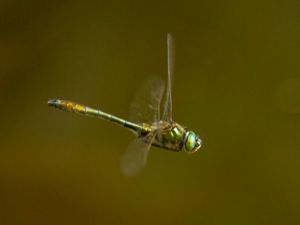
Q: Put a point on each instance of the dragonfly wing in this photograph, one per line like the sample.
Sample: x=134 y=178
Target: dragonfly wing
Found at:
x=146 y=105
x=167 y=114
x=135 y=157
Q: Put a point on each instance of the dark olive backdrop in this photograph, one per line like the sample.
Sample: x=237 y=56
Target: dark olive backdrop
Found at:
x=236 y=83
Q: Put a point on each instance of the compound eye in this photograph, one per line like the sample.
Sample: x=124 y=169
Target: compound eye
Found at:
x=191 y=142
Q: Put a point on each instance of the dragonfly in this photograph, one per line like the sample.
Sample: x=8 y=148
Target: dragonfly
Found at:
x=151 y=125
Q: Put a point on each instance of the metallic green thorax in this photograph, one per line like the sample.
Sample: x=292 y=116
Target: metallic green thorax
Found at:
x=170 y=136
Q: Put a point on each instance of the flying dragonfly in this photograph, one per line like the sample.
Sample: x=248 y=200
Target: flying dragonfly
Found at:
x=151 y=126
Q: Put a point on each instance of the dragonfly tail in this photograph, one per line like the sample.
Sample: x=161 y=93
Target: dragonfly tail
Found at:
x=69 y=106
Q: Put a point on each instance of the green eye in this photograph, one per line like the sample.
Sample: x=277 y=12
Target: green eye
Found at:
x=190 y=142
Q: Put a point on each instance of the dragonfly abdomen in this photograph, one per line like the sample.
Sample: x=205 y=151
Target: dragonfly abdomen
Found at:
x=74 y=107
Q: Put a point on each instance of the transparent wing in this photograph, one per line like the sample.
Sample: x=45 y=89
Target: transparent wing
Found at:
x=145 y=107
x=167 y=115
x=135 y=157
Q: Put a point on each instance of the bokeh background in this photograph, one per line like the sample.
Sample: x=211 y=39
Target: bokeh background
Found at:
x=237 y=84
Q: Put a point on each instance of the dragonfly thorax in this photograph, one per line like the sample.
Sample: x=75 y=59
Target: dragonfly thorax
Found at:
x=170 y=136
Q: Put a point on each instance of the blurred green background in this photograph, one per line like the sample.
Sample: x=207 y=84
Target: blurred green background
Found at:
x=237 y=84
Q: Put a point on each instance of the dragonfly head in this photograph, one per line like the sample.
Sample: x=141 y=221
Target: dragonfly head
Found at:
x=192 y=142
